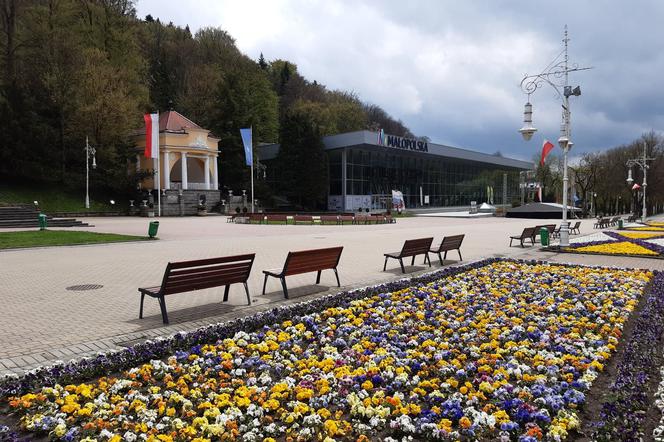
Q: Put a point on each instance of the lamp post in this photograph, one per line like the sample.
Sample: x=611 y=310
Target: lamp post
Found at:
x=643 y=163
x=88 y=151
x=556 y=70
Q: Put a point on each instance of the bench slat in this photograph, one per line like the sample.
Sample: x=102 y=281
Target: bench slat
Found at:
x=239 y=275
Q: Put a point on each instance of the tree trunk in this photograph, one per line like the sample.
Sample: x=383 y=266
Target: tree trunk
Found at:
x=9 y=24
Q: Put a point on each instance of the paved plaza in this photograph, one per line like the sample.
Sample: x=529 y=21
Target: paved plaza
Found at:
x=42 y=321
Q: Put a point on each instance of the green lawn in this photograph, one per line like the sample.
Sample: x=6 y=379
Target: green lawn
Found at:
x=42 y=238
x=53 y=198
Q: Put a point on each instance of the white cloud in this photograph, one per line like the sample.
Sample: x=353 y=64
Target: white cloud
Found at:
x=451 y=70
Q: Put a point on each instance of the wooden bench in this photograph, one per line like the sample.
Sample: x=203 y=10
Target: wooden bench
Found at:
x=277 y=218
x=329 y=219
x=187 y=276
x=575 y=230
x=528 y=233
x=258 y=217
x=601 y=223
x=449 y=243
x=306 y=261
x=346 y=218
x=303 y=219
x=412 y=248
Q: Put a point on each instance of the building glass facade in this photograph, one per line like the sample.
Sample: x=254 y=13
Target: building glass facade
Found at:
x=446 y=181
x=366 y=167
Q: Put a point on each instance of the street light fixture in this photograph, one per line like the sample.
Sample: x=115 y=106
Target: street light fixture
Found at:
x=557 y=69
x=89 y=151
x=643 y=163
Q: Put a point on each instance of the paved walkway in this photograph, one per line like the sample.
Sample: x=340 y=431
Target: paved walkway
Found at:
x=42 y=321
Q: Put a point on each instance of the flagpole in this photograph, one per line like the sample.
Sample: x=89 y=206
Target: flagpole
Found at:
x=252 y=168
x=158 y=171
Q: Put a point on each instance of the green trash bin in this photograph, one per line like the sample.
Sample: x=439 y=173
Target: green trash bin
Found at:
x=544 y=236
x=620 y=224
x=42 y=221
x=152 y=229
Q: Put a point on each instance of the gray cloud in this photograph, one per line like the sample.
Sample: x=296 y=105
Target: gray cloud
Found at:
x=451 y=70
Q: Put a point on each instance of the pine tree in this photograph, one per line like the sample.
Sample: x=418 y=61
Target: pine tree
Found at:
x=262 y=63
x=302 y=162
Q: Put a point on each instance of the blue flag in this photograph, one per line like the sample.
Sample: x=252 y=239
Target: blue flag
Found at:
x=246 y=140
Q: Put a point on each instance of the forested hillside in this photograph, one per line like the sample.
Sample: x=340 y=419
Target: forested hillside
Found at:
x=76 y=68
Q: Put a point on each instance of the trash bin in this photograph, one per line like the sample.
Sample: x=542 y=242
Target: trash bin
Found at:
x=42 y=221
x=544 y=236
x=152 y=230
x=620 y=224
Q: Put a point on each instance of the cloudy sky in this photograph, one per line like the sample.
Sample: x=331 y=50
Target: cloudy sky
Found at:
x=451 y=70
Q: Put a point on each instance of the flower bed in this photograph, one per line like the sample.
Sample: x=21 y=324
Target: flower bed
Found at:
x=502 y=350
x=649 y=228
x=629 y=397
x=621 y=243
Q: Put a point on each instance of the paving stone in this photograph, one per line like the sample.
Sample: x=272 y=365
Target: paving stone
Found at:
x=43 y=322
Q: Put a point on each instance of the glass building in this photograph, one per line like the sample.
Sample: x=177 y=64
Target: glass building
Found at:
x=365 y=167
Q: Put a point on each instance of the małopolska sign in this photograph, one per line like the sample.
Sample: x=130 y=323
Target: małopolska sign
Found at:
x=403 y=143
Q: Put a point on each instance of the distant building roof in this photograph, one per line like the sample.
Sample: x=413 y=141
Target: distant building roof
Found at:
x=374 y=140
x=173 y=121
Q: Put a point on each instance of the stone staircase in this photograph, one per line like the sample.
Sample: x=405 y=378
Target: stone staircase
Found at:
x=26 y=216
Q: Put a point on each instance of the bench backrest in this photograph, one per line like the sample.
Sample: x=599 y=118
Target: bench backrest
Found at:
x=324 y=218
x=528 y=232
x=306 y=261
x=451 y=242
x=256 y=217
x=185 y=276
x=303 y=218
x=577 y=225
x=283 y=218
x=416 y=246
x=346 y=217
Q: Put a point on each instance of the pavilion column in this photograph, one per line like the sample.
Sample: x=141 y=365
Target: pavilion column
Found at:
x=215 y=178
x=166 y=167
x=207 y=172
x=185 y=182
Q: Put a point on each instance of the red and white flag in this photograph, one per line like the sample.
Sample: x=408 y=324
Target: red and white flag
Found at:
x=151 y=135
x=546 y=148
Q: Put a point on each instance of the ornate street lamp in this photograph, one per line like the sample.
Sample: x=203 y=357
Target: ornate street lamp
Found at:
x=643 y=164
x=89 y=151
x=558 y=69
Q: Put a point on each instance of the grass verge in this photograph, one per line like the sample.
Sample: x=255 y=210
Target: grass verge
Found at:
x=45 y=238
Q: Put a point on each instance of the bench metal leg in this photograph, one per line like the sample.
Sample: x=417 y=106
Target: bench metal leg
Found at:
x=140 y=312
x=385 y=264
x=265 y=282
x=283 y=284
x=246 y=289
x=226 y=293
x=337 y=275
x=511 y=239
x=412 y=261
x=445 y=255
x=426 y=258
x=403 y=270
x=318 y=277
x=162 y=305
x=439 y=258
x=460 y=258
